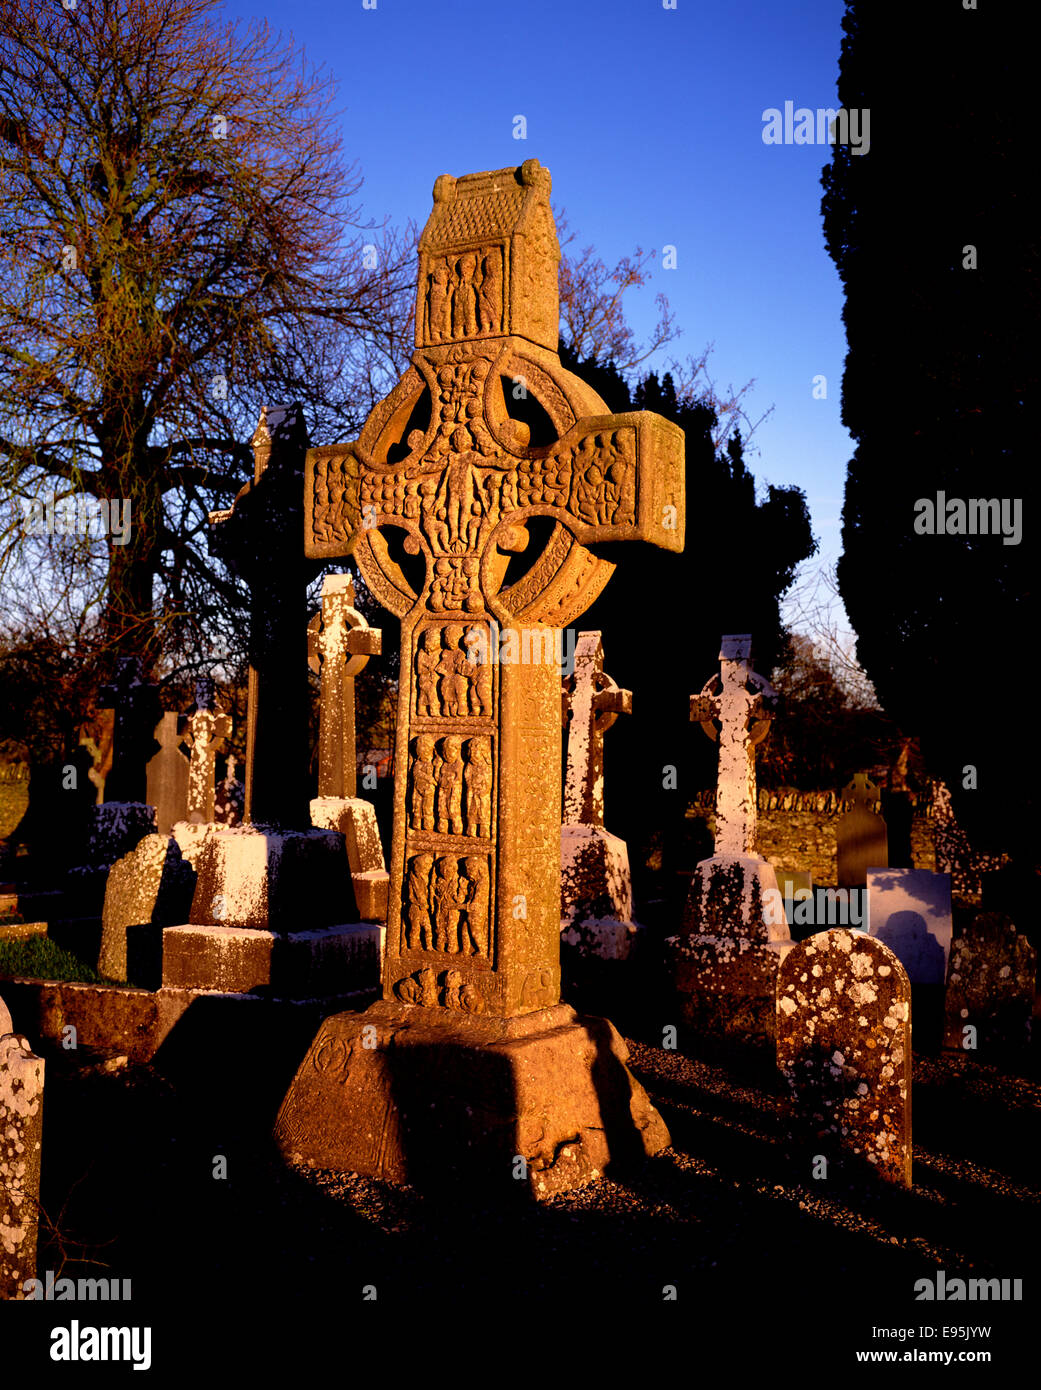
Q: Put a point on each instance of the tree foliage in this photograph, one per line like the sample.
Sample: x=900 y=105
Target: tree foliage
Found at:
x=937 y=252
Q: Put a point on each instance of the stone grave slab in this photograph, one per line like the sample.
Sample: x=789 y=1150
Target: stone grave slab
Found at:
x=861 y=836
x=844 y=1048
x=991 y=978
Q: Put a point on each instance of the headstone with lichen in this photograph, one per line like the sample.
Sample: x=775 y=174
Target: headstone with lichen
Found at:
x=844 y=1048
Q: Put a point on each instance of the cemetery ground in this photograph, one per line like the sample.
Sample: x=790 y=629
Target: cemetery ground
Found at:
x=725 y=1215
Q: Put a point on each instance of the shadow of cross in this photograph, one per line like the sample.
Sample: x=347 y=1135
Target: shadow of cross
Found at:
x=339 y=644
x=482 y=892
x=741 y=702
x=592 y=702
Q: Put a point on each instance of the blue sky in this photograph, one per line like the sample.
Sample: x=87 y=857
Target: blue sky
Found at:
x=651 y=122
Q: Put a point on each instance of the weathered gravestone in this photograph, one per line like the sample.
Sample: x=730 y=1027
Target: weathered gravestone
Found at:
x=860 y=836
x=166 y=775
x=205 y=731
x=21 y=1135
x=340 y=643
x=736 y=932
x=844 y=1048
x=910 y=910
x=470 y=1063
x=596 y=892
x=149 y=888
x=990 y=988
x=273 y=906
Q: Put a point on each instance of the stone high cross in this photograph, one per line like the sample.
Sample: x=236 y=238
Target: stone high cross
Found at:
x=340 y=643
x=251 y=538
x=136 y=711
x=741 y=702
x=206 y=731
x=432 y=500
x=592 y=703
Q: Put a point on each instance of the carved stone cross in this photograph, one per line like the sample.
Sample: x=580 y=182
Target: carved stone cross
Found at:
x=592 y=703
x=205 y=732
x=251 y=537
x=135 y=705
x=740 y=702
x=339 y=642
x=432 y=500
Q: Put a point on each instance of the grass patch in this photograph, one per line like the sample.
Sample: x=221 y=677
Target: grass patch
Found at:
x=40 y=958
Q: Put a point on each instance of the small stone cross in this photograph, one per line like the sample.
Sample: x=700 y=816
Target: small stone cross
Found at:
x=592 y=703
x=740 y=701
x=204 y=734
x=135 y=706
x=339 y=642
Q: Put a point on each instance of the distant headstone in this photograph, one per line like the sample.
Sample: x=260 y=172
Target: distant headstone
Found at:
x=150 y=886
x=166 y=775
x=990 y=987
x=230 y=797
x=861 y=835
x=21 y=1135
x=795 y=887
x=910 y=911
x=596 y=893
x=736 y=932
x=844 y=1048
x=205 y=732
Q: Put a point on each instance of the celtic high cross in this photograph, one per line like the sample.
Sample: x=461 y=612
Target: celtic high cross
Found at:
x=433 y=500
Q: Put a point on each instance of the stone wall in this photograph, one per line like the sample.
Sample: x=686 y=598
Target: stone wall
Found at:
x=797 y=830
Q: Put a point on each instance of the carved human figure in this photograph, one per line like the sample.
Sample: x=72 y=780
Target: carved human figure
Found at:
x=478 y=781
x=489 y=296
x=453 y=667
x=439 y=304
x=419 y=902
x=424 y=783
x=427 y=661
x=444 y=893
x=464 y=305
x=479 y=670
x=450 y=788
x=473 y=898
x=453 y=989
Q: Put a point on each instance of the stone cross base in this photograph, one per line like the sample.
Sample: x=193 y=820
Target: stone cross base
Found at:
x=736 y=895
x=355 y=819
x=726 y=984
x=596 y=893
x=21 y=1133
x=297 y=965
x=270 y=880
x=533 y=1105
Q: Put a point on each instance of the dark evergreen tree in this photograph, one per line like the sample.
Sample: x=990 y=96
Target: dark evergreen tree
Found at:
x=934 y=241
x=662 y=616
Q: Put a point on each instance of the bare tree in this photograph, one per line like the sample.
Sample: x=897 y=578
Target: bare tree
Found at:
x=180 y=241
x=593 y=323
